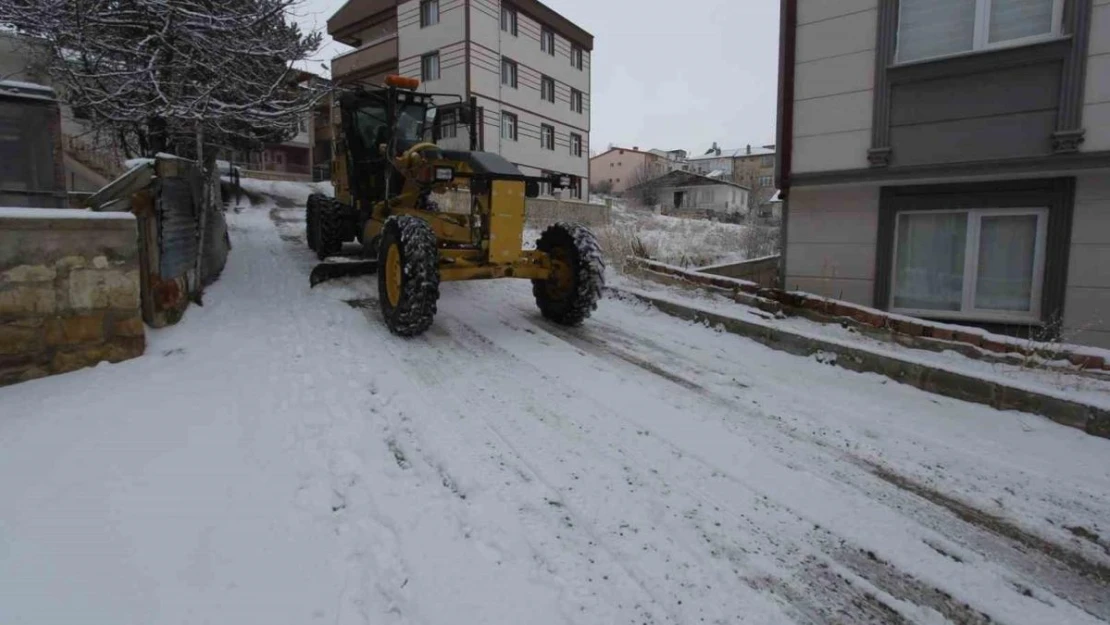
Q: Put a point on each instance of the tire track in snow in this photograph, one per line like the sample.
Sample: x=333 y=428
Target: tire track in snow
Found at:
x=870 y=489
x=1074 y=578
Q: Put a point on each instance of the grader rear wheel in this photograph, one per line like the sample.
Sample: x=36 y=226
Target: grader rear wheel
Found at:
x=312 y=209
x=577 y=274
x=408 y=275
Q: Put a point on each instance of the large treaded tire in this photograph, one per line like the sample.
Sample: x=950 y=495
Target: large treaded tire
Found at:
x=572 y=303
x=311 y=212
x=331 y=227
x=419 y=280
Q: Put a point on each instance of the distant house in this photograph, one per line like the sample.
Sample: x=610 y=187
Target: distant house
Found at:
x=949 y=163
x=688 y=192
x=624 y=167
x=750 y=166
x=32 y=173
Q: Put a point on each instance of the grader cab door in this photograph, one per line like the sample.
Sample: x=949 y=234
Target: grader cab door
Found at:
x=365 y=119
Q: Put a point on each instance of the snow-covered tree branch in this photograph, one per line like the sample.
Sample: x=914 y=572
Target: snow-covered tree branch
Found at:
x=158 y=73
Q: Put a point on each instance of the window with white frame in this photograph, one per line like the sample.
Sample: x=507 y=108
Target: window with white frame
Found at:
x=508 y=126
x=509 y=72
x=982 y=264
x=547 y=41
x=765 y=181
x=576 y=100
x=576 y=57
x=576 y=145
x=936 y=28
x=429 y=13
x=547 y=137
x=576 y=187
x=508 y=20
x=448 y=124
x=429 y=67
x=547 y=89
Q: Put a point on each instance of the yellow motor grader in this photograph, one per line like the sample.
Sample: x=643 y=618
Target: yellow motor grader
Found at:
x=387 y=170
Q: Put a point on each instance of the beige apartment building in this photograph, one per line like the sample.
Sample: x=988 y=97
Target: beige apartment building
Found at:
x=620 y=168
x=527 y=66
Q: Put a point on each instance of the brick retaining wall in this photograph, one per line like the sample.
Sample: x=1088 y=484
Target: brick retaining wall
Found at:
x=69 y=291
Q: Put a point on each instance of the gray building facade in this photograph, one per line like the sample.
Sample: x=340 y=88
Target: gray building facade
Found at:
x=950 y=159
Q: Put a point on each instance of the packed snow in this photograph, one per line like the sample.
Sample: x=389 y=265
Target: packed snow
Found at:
x=279 y=457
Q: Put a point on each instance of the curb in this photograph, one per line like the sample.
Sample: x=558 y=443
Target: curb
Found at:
x=1091 y=419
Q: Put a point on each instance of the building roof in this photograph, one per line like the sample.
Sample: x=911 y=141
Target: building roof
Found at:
x=737 y=153
x=354 y=13
x=679 y=178
x=632 y=150
x=26 y=90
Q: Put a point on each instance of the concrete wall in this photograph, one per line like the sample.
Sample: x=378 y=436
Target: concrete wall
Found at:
x=69 y=292
x=719 y=198
x=488 y=46
x=832 y=234
x=1087 y=306
x=834 y=81
x=762 y=271
x=1096 y=101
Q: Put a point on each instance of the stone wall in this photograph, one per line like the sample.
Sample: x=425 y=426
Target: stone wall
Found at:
x=69 y=291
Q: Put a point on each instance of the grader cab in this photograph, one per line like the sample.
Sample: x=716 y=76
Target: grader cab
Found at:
x=387 y=172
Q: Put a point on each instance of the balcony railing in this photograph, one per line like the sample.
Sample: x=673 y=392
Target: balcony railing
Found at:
x=376 y=53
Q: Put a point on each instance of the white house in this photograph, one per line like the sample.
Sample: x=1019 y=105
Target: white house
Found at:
x=685 y=191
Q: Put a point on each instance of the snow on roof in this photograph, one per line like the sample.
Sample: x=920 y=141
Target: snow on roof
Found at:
x=15 y=212
x=737 y=153
x=28 y=90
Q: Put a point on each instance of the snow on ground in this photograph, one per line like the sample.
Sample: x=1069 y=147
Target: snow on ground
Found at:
x=1062 y=381
x=279 y=457
x=297 y=191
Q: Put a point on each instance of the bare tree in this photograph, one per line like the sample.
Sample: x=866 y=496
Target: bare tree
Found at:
x=174 y=75
x=602 y=187
x=644 y=185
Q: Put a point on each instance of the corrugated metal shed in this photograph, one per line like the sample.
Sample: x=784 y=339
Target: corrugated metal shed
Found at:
x=177 y=227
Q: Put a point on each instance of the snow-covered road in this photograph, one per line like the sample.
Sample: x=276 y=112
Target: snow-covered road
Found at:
x=279 y=457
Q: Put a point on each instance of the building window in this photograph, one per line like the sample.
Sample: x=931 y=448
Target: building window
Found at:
x=429 y=13
x=934 y=28
x=547 y=89
x=448 y=124
x=576 y=57
x=429 y=67
x=767 y=161
x=547 y=137
x=508 y=126
x=576 y=145
x=576 y=100
x=979 y=263
x=547 y=41
x=576 y=187
x=508 y=19
x=766 y=181
x=508 y=73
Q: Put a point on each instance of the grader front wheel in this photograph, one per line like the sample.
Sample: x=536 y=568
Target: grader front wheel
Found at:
x=408 y=275
x=571 y=293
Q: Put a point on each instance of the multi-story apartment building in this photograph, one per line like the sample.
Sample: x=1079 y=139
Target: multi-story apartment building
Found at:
x=950 y=160
x=527 y=66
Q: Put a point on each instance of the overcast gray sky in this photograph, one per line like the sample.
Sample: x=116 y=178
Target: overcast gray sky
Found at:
x=671 y=75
